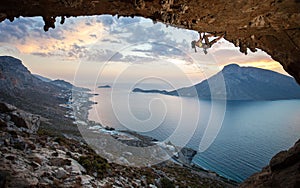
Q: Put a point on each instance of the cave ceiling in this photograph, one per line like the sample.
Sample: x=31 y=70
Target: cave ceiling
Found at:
x=270 y=25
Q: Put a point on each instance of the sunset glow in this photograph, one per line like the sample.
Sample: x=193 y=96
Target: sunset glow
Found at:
x=107 y=40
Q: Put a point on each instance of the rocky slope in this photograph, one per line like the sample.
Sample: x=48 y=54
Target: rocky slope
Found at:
x=283 y=171
x=240 y=83
x=16 y=79
x=24 y=90
x=271 y=25
x=20 y=87
x=29 y=159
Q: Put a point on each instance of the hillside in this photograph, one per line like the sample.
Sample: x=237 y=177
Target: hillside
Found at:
x=27 y=92
x=241 y=83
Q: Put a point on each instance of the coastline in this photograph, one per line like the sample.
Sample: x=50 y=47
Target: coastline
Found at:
x=81 y=104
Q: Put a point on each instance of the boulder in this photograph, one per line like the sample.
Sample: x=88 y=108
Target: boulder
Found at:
x=60 y=162
x=5 y=108
x=186 y=155
x=2 y=123
x=25 y=120
x=76 y=168
x=19 y=117
x=3 y=176
x=61 y=173
x=285 y=159
x=86 y=180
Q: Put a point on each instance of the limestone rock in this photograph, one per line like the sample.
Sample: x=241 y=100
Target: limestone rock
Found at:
x=19 y=117
x=60 y=173
x=286 y=158
x=4 y=108
x=283 y=171
x=186 y=155
x=2 y=123
x=60 y=162
x=26 y=120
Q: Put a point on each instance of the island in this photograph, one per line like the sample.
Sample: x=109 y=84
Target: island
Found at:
x=104 y=86
x=235 y=83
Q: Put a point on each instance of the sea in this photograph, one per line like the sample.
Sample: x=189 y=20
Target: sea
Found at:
x=234 y=139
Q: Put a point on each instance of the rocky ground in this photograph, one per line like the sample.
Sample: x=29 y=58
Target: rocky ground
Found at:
x=35 y=159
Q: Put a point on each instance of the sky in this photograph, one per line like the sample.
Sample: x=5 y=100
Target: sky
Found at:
x=106 y=49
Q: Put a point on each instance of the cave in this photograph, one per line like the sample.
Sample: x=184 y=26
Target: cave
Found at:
x=269 y=25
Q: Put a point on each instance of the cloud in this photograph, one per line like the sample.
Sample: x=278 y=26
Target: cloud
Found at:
x=140 y=32
x=70 y=40
x=258 y=59
x=40 y=54
x=21 y=29
x=108 y=38
x=76 y=38
x=9 y=50
x=102 y=55
x=110 y=41
x=107 y=56
x=133 y=59
x=234 y=56
x=93 y=36
x=106 y=20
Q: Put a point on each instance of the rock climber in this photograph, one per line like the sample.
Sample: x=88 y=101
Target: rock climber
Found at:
x=206 y=44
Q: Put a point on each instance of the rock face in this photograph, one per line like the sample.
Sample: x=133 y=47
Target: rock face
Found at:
x=186 y=155
x=283 y=171
x=17 y=84
x=27 y=92
x=4 y=107
x=15 y=77
x=30 y=160
x=271 y=25
x=26 y=120
x=19 y=117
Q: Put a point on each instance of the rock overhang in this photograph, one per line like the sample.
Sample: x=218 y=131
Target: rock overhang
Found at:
x=270 y=25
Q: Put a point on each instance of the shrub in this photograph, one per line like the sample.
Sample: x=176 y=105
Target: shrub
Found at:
x=166 y=183
x=94 y=163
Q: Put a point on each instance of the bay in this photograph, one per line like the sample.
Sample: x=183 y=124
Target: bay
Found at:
x=251 y=132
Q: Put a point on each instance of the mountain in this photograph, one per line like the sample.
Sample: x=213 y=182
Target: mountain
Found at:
x=42 y=78
x=62 y=84
x=16 y=80
x=57 y=82
x=241 y=83
x=66 y=85
x=24 y=90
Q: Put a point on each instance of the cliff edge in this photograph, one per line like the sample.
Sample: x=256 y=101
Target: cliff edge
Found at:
x=282 y=171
